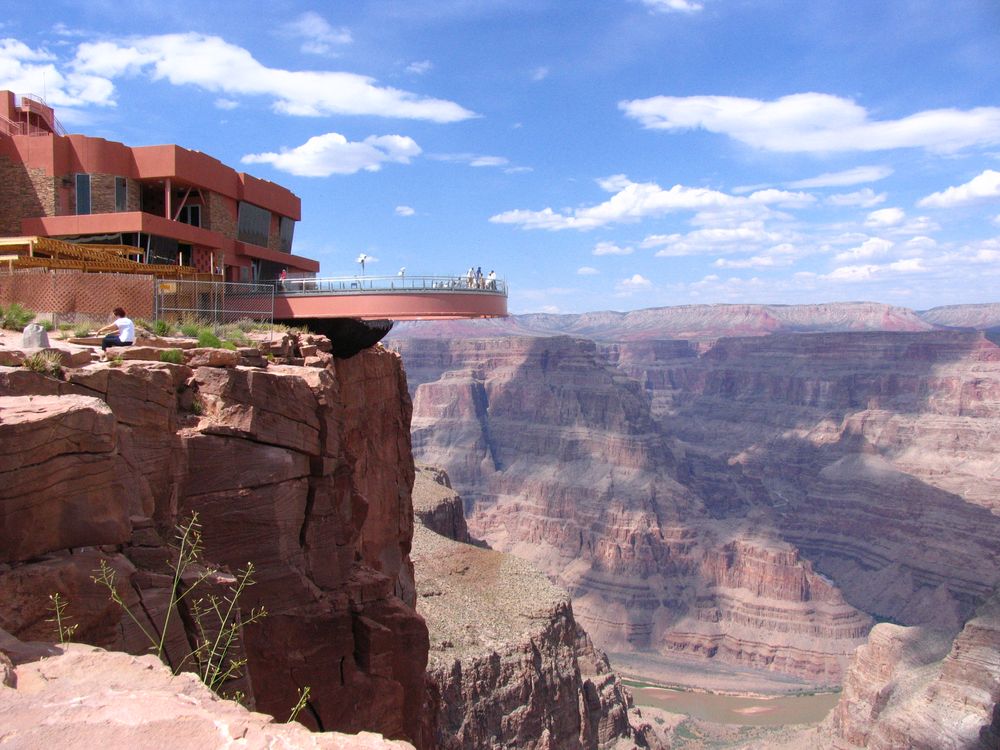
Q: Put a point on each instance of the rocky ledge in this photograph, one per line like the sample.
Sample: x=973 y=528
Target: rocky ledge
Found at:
x=83 y=696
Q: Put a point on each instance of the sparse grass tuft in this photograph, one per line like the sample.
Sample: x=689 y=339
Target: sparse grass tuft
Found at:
x=173 y=356
x=44 y=362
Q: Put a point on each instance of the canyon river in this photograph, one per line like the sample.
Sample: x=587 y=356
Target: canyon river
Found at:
x=732 y=709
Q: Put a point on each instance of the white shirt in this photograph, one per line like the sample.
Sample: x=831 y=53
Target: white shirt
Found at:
x=126 y=329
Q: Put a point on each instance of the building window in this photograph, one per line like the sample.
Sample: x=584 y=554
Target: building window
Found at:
x=83 y=194
x=253 y=224
x=190 y=215
x=121 y=194
x=287 y=229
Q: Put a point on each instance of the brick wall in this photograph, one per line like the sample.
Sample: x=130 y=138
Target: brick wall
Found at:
x=102 y=193
x=69 y=293
x=23 y=192
x=221 y=216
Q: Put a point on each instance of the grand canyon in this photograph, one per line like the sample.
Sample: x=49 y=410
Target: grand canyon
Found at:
x=754 y=486
x=465 y=537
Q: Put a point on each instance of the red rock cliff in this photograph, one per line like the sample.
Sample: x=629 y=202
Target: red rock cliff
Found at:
x=306 y=472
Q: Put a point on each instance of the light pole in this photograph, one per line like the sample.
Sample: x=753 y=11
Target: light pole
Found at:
x=361 y=259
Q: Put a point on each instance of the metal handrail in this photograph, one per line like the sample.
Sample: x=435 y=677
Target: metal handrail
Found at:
x=389 y=284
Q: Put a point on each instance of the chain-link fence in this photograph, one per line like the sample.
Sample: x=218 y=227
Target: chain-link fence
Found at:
x=213 y=302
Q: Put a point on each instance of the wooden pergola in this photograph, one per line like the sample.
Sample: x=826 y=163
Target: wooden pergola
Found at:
x=46 y=252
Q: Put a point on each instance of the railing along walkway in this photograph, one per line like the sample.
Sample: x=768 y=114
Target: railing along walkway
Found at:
x=389 y=285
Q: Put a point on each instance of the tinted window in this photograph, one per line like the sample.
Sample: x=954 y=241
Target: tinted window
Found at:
x=253 y=225
x=83 y=193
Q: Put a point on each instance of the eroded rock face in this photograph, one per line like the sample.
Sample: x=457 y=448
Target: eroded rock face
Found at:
x=563 y=463
x=82 y=696
x=915 y=687
x=306 y=472
x=509 y=666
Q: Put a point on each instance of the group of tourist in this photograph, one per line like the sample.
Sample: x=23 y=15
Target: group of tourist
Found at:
x=475 y=280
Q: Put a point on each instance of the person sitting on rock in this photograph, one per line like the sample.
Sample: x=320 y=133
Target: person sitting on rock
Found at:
x=119 y=333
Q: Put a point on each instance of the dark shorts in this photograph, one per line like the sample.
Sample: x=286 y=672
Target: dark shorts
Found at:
x=112 y=340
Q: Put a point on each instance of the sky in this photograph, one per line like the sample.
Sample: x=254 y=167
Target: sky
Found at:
x=597 y=154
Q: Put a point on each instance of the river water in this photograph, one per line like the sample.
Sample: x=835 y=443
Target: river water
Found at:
x=731 y=709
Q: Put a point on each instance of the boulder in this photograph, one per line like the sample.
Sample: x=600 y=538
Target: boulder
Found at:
x=34 y=337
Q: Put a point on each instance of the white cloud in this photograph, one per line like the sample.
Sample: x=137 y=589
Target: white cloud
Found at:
x=587 y=271
x=488 y=161
x=996 y=220
x=319 y=37
x=871 y=271
x=983 y=186
x=633 y=201
x=635 y=283
x=332 y=153
x=419 y=67
x=226 y=104
x=404 y=211
x=756 y=261
x=609 y=248
x=211 y=63
x=872 y=247
x=855 y=176
x=814 y=122
x=539 y=74
x=478 y=160
x=864 y=198
x=673 y=6
x=885 y=217
x=30 y=70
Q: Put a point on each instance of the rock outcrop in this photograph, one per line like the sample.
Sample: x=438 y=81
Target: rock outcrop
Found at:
x=82 y=696
x=509 y=666
x=304 y=471
x=916 y=688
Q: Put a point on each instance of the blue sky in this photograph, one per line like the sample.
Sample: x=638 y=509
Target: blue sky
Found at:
x=607 y=154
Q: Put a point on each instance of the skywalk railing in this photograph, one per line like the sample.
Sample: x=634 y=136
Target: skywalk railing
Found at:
x=390 y=285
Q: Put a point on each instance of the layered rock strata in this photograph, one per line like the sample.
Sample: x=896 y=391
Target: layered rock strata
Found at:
x=303 y=471
x=509 y=666
x=916 y=688
x=563 y=464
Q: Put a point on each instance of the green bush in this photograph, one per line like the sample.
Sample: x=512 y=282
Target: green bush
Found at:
x=46 y=325
x=162 y=328
x=174 y=356
x=207 y=338
x=82 y=330
x=190 y=329
x=16 y=317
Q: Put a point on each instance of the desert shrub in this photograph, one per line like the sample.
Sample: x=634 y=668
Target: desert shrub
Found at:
x=174 y=356
x=190 y=329
x=228 y=345
x=81 y=330
x=44 y=362
x=46 y=325
x=207 y=338
x=162 y=328
x=16 y=317
x=216 y=619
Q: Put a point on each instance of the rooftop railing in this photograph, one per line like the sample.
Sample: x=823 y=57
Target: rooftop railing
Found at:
x=390 y=285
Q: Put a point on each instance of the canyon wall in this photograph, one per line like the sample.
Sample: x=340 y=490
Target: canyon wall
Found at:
x=754 y=500
x=509 y=666
x=303 y=471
